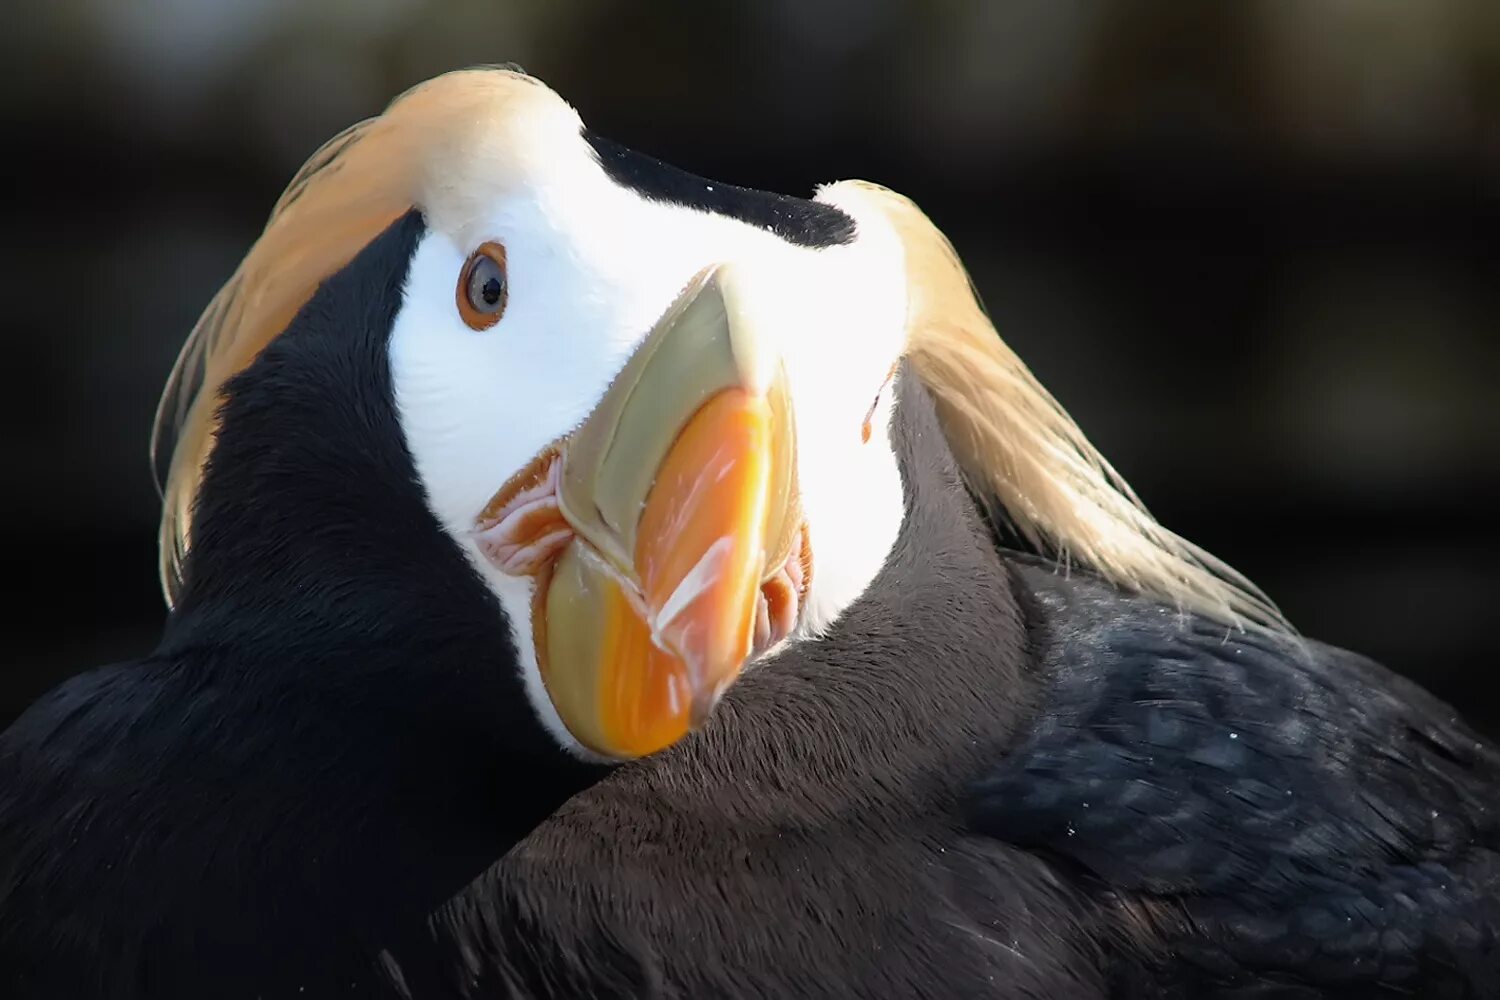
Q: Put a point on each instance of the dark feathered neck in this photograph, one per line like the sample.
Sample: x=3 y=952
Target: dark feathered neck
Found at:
x=923 y=652
x=310 y=513
x=913 y=687
x=817 y=786
x=346 y=628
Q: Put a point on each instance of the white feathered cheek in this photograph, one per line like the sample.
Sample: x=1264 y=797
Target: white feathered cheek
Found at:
x=659 y=529
x=656 y=501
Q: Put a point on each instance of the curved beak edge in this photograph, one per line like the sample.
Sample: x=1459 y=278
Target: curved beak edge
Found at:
x=680 y=492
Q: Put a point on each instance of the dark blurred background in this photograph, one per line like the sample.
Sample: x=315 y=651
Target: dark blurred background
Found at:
x=1252 y=247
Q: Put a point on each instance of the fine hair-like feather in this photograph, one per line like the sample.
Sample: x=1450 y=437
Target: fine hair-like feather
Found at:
x=346 y=194
x=1018 y=446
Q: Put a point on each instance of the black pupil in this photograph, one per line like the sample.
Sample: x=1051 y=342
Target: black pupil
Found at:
x=487 y=284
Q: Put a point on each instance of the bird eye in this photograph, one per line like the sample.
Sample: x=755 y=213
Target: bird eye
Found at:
x=482 y=289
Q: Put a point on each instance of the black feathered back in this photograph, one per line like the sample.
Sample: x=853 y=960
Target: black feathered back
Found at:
x=1287 y=812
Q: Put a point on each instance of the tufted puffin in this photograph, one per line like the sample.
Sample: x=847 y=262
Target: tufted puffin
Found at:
x=590 y=580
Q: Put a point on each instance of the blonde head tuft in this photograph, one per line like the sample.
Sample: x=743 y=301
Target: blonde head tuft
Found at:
x=437 y=147
x=1017 y=445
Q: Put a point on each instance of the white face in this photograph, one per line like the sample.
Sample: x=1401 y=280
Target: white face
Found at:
x=590 y=268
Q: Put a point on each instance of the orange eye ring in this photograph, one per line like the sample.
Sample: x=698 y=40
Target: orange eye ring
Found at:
x=482 y=287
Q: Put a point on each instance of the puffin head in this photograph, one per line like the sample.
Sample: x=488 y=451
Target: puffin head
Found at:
x=651 y=407
x=654 y=410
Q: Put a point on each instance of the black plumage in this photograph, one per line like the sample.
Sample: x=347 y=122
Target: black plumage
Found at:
x=331 y=738
x=800 y=221
x=1285 y=812
x=986 y=780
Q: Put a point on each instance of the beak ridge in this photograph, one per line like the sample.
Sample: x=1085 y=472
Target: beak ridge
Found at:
x=679 y=489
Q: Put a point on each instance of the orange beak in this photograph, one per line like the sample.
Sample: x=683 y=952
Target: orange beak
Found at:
x=679 y=493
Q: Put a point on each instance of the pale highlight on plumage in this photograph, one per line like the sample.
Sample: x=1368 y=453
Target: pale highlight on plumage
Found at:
x=351 y=189
x=1017 y=445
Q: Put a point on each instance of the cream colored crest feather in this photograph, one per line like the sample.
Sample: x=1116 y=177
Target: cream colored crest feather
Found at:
x=346 y=194
x=1017 y=444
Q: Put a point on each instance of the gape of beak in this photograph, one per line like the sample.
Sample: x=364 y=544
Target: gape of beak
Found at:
x=664 y=534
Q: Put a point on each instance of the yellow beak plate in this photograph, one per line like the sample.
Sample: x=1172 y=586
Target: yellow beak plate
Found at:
x=679 y=490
